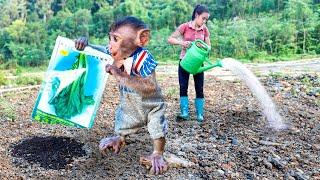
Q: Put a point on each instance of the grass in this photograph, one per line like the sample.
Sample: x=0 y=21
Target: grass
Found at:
x=270 y=59
x=22 y=76
x=172 y=92
x=169 y=62
x=42 y=68
x=28 y=80
x=7 y=110
x=20 y=80
x=3 y=79
x=276 y=75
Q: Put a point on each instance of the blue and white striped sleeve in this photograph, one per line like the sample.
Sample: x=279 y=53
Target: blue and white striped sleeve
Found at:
x=145 y=64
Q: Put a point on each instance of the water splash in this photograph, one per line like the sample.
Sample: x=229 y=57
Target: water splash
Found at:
x=269 y=108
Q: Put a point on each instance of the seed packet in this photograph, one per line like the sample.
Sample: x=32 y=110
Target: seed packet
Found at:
x=73 y=85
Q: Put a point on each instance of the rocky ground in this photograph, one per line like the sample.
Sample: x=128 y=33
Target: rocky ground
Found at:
x=234 y=142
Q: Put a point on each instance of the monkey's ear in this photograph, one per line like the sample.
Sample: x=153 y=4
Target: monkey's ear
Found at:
x=143 y=37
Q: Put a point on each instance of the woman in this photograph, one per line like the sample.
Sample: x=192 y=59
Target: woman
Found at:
x=184 y=35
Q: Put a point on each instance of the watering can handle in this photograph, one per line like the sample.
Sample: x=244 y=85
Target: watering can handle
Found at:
x=203 y=44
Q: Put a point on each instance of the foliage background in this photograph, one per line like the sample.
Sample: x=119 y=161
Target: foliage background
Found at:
x=250 y=30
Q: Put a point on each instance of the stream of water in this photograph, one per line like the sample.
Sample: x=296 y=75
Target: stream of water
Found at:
x=269 y=108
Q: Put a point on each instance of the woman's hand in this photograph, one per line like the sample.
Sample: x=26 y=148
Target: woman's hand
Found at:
x=185 y=44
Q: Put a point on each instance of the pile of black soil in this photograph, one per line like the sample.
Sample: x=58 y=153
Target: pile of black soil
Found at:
x=50 y=152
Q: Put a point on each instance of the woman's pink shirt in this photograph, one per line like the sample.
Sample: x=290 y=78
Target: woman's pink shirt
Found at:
x=189 y=33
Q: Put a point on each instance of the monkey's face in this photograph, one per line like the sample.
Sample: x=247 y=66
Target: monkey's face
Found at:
x=122 y=42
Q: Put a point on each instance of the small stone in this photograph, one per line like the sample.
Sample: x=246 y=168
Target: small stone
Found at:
x=300 y=176
x=299 y=171
x=277 y=163
x=267 y=164
x=223 y=137
x=221 y=172
x=194 y=160
x=276 y=156
x=293 y=130
x=226 y=166
x=235 y=175
x=191 y=176
x=234 y=141
x=209 y=169
x=286 y=84
x=180 y=153
x=250 y=176
x=316 y=147
x=289 y=177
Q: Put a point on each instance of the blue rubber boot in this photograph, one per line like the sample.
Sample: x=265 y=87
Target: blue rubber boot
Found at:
x=199 y=103
x=184 y=108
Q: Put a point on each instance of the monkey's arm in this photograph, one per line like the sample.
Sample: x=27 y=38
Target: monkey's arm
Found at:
x=83 y=42
x=100 y=48
x=146 y=86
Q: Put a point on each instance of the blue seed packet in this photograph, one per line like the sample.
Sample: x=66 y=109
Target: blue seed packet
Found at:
x=73 y=85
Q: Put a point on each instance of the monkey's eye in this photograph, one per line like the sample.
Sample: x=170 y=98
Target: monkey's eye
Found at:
x=116 y=38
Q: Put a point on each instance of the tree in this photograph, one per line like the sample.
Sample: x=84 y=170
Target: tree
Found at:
x=101 y=22
x=43 y=9
x=299 y=12
x=12 y=10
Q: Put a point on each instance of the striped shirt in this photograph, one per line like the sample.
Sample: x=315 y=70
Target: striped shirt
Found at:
x=141 y=62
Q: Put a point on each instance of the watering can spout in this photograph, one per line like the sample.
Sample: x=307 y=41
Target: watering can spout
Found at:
x=218 y=63
x=210 y=65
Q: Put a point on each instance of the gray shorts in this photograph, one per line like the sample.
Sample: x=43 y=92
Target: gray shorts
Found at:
x=135 y=112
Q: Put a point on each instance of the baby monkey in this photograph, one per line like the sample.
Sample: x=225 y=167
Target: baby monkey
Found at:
x=141 y=101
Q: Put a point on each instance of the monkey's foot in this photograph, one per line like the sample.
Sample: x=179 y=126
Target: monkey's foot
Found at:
x=155 y=163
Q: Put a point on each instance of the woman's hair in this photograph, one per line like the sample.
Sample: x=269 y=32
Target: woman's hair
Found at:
x=199 y=9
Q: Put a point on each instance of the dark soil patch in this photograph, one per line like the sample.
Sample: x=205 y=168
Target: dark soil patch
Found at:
x=49 y=152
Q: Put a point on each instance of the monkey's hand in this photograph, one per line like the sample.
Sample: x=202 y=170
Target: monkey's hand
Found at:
x=113 y=143
x=114 y=70
x=81 y=43
x=121 y=76
x=155 y=163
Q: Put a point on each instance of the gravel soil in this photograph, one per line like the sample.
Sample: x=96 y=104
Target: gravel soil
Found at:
x=234 y=142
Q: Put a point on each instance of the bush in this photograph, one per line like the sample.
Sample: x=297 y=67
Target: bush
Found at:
x=18 y=70
x=9 y=65
x=3 y=79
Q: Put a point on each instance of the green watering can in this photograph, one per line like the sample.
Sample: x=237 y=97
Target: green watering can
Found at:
x=196 y=55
